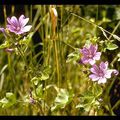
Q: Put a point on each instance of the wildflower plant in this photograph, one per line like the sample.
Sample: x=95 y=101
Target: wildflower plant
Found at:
x=72 y=73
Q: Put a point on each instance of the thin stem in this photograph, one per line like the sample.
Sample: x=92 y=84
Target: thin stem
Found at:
x=91 y=23
x=31 y=13
x=22 y=55
x=57 y=63
x=11 y=69
x=114 y=30
x=116 y=105
x=13 y=9
x=113 y=61
x=5 y=14
x=68 y=45
x=40 y=108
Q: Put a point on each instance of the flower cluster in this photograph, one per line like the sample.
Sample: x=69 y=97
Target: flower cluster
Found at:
x=100 y=72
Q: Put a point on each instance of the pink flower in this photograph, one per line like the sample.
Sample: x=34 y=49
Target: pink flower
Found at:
x=90 y=55
x=101 y=73
x=18 y=26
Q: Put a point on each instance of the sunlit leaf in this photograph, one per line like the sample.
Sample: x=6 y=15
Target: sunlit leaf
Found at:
x=63 y=98
x=8 y=101
x=35 y=80
x=4 y=45
x=89 y=98
x=111 y=46
x=44 y=76
x=27 y=39
x=39 y=90
x=73 y=56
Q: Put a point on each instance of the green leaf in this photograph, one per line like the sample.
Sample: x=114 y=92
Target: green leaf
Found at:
x=39 y=90
x=111 y=46
x=35 y=80
x=26 y=40
x=8 y=101
x=63 y=98
x=89 y=98
x=76 y=30
x=10 y=96
x=44 y=76
x=97 y=90
x=74 y=56
x=86 y=107
x=4 y=45
x=26 y=99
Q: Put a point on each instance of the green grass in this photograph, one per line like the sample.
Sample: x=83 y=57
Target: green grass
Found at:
x=76 y=26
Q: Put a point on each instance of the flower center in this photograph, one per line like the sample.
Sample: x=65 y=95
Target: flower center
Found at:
x=90 y=56
x=101 y=74
x=18 y=28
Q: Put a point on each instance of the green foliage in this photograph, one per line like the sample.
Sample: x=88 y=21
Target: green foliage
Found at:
x=74 y=56
x=26 y=40
x=38 y=70
x=8 y=101
x=111 y=46
x=42 y=75
x=63 y=98
x=90 y=98
x=4 y=45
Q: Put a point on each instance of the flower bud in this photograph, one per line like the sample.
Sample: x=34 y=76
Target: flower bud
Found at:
x=54 y=15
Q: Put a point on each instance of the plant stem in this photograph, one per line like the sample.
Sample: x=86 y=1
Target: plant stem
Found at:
x=116 y=105
x=91 y=23
x=57 y=63
x=11 y=69
x=68 y=45
x=5 y=14
x=113 y=61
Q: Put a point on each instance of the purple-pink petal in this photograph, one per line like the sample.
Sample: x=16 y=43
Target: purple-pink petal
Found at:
x=93 y=70
x=9 y=20
x=93 y=77
x=26 y=28
x=84 y=50
x=93 y=49
x=91 y=61
x=23 y=21
x=96 y=68
x=115 y=72
x=14 y=21
x=108 y=73
x=97 y=56
x=103 y=65
x=84 y=60
x=21 y=18
x=102 y=80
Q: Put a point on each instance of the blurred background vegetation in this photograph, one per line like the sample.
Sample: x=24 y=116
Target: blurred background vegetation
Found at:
x=72 y=32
